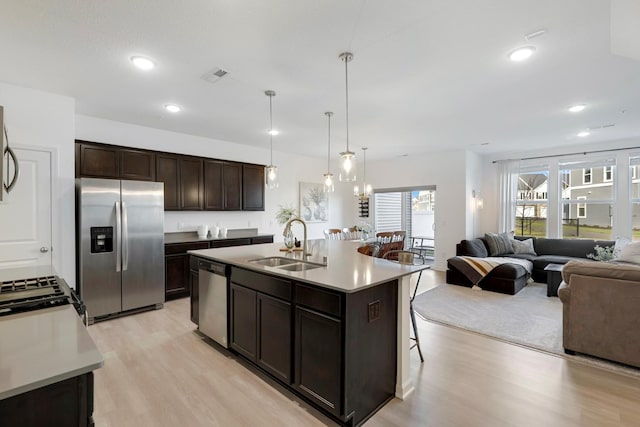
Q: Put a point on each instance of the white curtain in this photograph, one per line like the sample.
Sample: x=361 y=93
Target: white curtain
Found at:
x=508 y=172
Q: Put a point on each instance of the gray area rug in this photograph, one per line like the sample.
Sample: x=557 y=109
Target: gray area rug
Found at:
x=529 y=318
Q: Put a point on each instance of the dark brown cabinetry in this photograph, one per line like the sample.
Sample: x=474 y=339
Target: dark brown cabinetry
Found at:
x=190 y=182
x=253 y=187
x=65 y=403
x=261 y=321
x=176 y=268
x=337 y=350
x=194 y=291
x=222 y=185
x=105 y=161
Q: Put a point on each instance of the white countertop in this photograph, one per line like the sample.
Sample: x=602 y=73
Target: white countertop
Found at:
x=347 y=270
x=42 y=347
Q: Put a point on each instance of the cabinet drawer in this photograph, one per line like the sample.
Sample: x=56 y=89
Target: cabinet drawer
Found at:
x=260 y=282
x=318 y=299
x=181 y=248
x=225 y=243
x=261 y=239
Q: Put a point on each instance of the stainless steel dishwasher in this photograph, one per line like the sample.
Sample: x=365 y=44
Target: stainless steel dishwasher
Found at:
x=212 y=300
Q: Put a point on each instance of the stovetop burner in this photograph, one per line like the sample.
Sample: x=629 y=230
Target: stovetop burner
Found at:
x=30 y=294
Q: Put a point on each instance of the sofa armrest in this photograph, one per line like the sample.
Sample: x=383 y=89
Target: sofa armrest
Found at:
x=564 y=292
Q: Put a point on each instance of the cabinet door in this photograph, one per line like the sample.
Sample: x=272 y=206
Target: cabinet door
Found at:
x=318 y=358
x=195 y=296
x=253 y=188
x=176 y=272
x=99 y=161
x=138 y=165
x=243 y=321
x=213 y=185
x=274 y=336
x=167 y=171
x=191 y=183
x=232 y=178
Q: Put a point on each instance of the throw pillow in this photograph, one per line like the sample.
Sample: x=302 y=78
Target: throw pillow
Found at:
x=630 y=253
x=498 y=244
x=523 y=247
x=621 y=243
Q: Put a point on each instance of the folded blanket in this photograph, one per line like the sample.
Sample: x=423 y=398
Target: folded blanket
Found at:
x=475 y=269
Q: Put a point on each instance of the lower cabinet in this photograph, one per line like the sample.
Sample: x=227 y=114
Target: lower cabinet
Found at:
x=194 y=291
x=177 y=279
x=261 y=330
x=318 y=358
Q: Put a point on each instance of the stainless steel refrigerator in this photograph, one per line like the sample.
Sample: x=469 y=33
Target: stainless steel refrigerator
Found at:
x=120 y=232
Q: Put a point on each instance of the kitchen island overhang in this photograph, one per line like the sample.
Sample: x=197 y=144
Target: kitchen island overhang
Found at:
x=347 y=273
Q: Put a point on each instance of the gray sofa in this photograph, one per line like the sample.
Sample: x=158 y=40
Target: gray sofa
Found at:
x=511 y=278
x=600 y=314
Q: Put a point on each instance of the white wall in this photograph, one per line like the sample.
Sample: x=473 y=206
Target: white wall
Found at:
x=445 y=170
x=42 y=119
x=292 y=169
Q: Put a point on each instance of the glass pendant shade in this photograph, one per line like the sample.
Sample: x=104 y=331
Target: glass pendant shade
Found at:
x=366 y=188
x=271 y=180
x=347 y=166
x=328 y=183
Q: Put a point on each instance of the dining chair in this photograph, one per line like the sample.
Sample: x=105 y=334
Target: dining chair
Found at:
x=409 y=257
x=351 y=233
x=333 y=234
x=384 y=236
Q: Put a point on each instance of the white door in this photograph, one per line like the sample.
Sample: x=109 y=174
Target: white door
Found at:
x=25 y=213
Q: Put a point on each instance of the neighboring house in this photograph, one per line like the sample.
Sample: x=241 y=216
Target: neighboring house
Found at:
x=591 y=188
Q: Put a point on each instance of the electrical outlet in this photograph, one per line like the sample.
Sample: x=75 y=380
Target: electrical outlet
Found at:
x=374 y=310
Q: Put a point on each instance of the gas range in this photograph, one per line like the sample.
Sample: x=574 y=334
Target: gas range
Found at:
x=17 y=296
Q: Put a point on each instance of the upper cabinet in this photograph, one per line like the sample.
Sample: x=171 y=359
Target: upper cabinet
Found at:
x=190 y=183
x=222 y=186
x=105 y=161
x=253 y=187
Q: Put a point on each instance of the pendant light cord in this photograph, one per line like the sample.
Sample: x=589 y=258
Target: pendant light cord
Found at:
x=346 y=84
x=271 y=128
x=329 y=145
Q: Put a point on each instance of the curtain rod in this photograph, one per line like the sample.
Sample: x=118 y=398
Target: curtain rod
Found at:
x=568 y=154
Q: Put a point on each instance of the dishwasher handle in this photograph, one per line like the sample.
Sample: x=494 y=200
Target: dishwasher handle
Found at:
x=212 y=267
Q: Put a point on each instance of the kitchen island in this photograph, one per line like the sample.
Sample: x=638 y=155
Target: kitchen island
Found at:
x=46 y=362
x=333 y=327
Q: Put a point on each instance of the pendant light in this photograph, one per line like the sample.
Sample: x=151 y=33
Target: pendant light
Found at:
x=328 y=177
x=366 y=188
x=271 y=170
x=347 y=157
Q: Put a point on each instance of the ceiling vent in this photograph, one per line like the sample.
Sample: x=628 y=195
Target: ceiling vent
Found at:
x=213 y=76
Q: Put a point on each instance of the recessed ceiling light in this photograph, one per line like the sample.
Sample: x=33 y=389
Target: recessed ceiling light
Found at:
x=273 y=132
x=584 y=133
x=577 y=108
x=143 y=63
x=522 y=53
x=172 y=108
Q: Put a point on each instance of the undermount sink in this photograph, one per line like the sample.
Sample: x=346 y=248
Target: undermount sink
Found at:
x=274 y=261
x=300 y=266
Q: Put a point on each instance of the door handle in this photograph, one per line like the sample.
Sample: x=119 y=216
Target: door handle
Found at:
x=44 y=249
x=16 y=165
x=125 y=238
x=118 y=237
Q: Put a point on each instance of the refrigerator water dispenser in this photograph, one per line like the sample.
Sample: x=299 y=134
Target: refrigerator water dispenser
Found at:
x=101 y=239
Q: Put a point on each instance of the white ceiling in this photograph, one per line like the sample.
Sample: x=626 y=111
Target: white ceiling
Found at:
x=427 y=74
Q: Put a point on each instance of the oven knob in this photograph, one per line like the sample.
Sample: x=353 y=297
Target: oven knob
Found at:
x=44 y=249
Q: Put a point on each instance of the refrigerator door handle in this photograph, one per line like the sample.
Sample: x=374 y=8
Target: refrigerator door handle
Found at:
x=118 y=237
x=125 y=239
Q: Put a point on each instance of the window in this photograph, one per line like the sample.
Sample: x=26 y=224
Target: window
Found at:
x=532 y=201
x=582 y=208
x=633 y=172
x=587 y=207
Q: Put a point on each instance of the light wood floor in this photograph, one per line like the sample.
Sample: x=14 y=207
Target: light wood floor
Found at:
x=159 y=372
